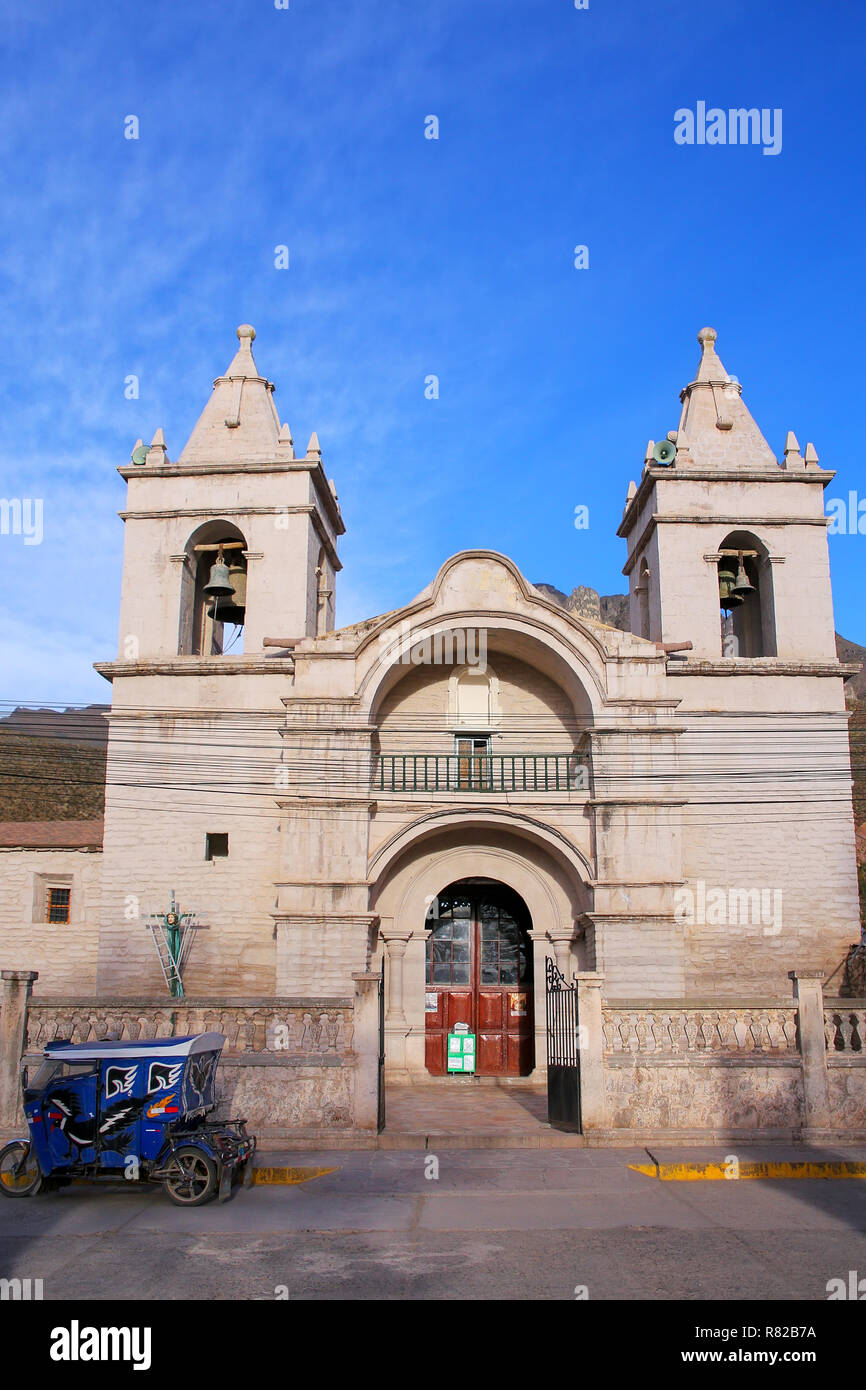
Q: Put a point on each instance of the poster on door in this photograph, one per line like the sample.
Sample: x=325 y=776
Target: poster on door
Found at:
x=517 y=1005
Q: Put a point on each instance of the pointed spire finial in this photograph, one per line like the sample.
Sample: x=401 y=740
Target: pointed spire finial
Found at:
x=313 y=448
x=682 y=442
x=240 y=420
x=721 y=432
x=811 y=456
x=793 y=457
x=285 y=441
x=157 y=452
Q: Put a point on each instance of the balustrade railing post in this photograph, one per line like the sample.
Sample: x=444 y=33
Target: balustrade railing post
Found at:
x=17 y=986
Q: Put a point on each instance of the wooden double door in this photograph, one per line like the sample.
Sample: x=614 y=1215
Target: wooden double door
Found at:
x=479 y=972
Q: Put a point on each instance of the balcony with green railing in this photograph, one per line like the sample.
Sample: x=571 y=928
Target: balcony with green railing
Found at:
x=483 y=773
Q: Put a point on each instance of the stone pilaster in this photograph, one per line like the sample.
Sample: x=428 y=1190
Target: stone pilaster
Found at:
x=366 y=1048
x=589 y=1011
x=809 y=996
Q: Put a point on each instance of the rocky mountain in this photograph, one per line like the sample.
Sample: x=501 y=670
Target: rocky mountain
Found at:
x=52 y=764
x=612 y=609
x=86 y=726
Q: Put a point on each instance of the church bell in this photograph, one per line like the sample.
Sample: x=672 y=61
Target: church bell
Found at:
x=219 y=585
x=727 y=582
x=227 y=586
x=742 y=584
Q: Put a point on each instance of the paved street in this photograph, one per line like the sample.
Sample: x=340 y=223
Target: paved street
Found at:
x=517 y=1224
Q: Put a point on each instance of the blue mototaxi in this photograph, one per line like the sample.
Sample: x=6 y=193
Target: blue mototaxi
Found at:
x=129 y=1110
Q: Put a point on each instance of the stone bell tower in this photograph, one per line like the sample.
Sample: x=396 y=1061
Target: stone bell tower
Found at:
x=229 y=558
x=237 y=494
x=724 y=505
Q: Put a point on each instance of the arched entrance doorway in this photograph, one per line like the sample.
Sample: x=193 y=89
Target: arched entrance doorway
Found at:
x=479 y=972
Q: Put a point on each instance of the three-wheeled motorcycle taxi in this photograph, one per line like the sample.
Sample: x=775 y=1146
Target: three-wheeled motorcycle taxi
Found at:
x=135 y=1110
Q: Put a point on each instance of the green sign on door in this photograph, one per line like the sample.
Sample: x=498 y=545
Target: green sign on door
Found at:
x=461 y=1052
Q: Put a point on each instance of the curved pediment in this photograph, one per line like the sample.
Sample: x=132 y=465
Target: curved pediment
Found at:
x=479 y=601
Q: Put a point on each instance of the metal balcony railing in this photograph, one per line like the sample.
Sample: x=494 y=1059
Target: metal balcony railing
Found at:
x=458 y=772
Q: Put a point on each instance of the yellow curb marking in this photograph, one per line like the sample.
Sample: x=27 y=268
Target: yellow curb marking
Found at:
x=696 y=1172
x=285 y=1176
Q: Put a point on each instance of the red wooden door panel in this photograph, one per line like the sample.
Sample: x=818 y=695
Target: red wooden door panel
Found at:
x=479 y=972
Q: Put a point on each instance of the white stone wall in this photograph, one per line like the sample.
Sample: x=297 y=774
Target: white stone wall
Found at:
x=171 y=781
x=771 y=813
x=64 y=953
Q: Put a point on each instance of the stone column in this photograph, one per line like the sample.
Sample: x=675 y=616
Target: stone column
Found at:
x=561 y=943
x=592 y=1097
x=366 y=1048
x=395 y=950
x=17 y=986
x=809 y=997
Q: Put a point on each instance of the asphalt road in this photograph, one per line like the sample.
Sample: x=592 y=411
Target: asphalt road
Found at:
x=513 y=1224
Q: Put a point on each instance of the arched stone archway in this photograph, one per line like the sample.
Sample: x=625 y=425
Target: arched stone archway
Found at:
x=554 y=894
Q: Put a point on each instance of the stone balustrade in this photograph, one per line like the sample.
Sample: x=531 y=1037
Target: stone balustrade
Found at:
x=679 y=1032
x=285 y=1027
x=845 y=1027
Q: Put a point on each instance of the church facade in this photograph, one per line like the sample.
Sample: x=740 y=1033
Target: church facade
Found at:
x=478 y=781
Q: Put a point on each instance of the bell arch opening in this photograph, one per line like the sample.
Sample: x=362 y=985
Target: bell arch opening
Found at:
x=479 y=987
x=213 y=593
x=748 y=618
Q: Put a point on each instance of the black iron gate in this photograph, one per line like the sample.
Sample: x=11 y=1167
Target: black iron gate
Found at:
x=563 y=1049
x=380 y=1120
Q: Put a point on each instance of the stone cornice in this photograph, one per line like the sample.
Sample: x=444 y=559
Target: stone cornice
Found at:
x=292 y=803
x=627 y=919
x=237 y=510
x=702 y=1001
x=762 y=666
x=112 y=1003
x=660 y=473
x=217 y=470
x=197 y=666
x=343 y=919
x=597 y=801
x=716 y=518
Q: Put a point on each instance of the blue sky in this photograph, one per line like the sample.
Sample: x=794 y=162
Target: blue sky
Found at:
x=411 y=257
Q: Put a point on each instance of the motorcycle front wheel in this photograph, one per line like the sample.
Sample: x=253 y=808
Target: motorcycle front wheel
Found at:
x=20 y=1175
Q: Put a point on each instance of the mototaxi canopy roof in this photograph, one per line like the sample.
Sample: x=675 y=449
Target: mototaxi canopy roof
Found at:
x=63 y=1050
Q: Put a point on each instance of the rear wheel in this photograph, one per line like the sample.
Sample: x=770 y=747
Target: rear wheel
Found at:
x=20 y=1175
x=191 y=1177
